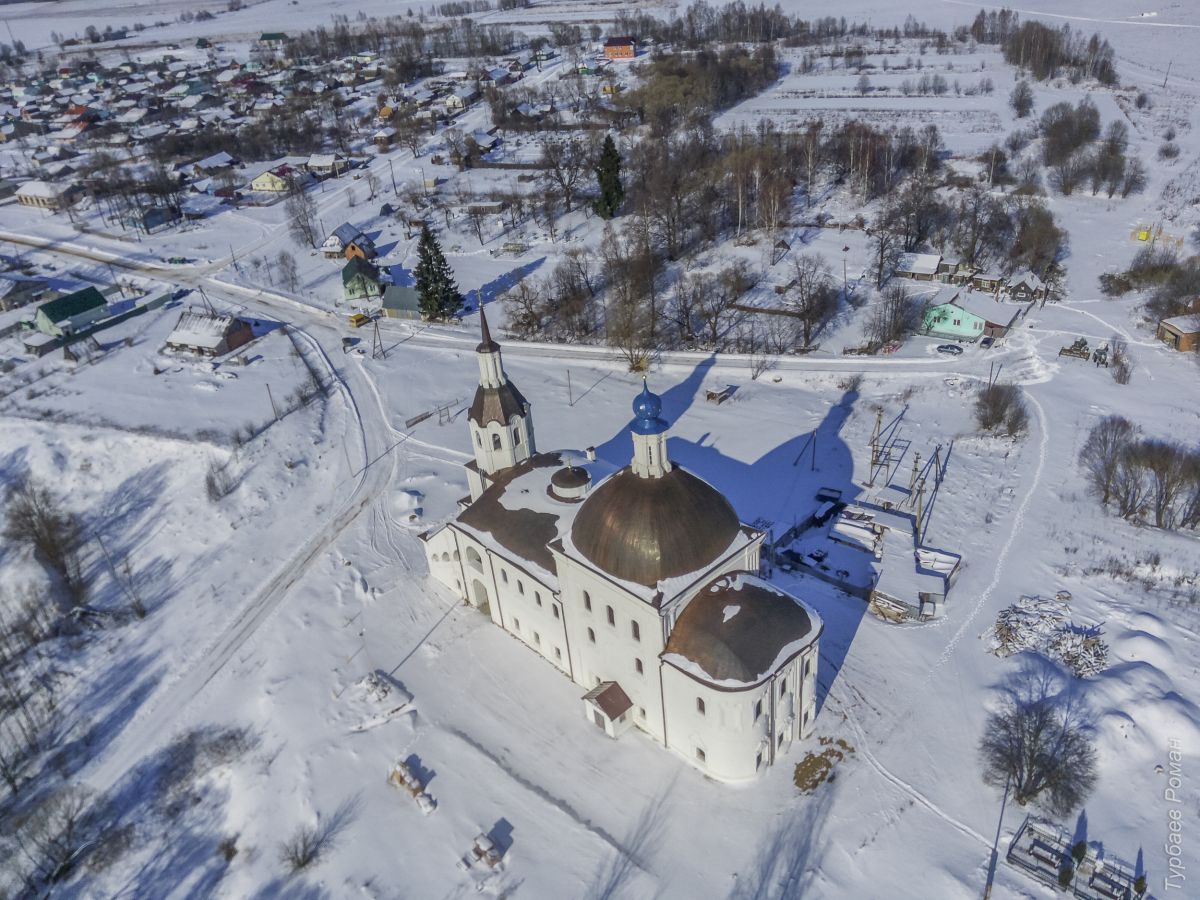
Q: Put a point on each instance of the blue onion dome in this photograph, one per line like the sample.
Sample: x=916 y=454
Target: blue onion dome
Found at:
x=646 y=409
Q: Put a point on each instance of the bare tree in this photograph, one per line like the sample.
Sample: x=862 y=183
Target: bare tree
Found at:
x=372 y=184
x=1036 y=745
x=566 y=162
x=811 y=294
x=1001 y=407
x=36 y=518
x=56 y=834
x=1167 y=466
x=1130 y=490
x=301 y=211
x=524 y=304
x=1100 y=457
x=1120 y=360
x=289 y=276
x=894 y=316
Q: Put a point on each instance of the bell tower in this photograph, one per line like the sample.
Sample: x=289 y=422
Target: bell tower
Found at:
x=500 y=417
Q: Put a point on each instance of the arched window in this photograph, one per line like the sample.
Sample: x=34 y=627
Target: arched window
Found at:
x=478 y=440
x=612 y=619
x=474 y=558
x=587 y=601
x=516 y=437
x=495 y=442
x=504 y=578
x=636 y=629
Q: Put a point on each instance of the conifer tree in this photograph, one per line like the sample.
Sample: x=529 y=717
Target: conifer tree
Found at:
x=438 y=295
x=608 y=174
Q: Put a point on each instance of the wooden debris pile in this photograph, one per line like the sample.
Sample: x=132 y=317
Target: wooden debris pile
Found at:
x=1043 y=625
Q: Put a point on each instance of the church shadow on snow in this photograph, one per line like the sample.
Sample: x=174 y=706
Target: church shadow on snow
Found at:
x=780 y=487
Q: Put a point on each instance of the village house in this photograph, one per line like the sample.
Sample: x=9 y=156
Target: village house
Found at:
x=17 y=291
x=987 y=281
x=639 y=584
x=1027 y=286
x=620 y=48
x=44 y=195
x=918 y=266
x=966 y=317
x=348 y=241
x=275 y=180
x=208 y=334
x=361 y=280
x=326 y=165
x=71 y=313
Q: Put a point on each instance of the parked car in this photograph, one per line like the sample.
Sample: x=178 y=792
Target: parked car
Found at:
x=987 y=342
x=358 y=320
x=952 y=349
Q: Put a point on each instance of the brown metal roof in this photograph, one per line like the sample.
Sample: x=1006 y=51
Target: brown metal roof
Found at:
x=742 y=644
x=523 y=532
x=570 y=477
x=611 y=698
x=646 y=530
x=497 y=404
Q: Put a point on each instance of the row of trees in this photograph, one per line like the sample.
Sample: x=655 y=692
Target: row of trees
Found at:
x=1172 y=280
x=1142 y=478
x=985 y=229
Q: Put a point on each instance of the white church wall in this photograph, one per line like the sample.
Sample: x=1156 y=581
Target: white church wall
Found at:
x=716 y=731
x=610 y=652
x=442 y=554
x=527 y=610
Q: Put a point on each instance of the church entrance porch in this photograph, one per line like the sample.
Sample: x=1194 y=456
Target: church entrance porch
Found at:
x=608 y=706
x=479 y=595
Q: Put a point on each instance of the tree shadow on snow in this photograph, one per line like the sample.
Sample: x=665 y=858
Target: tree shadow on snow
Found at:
x=785 y=866
x=611 y=881
x=486 y=293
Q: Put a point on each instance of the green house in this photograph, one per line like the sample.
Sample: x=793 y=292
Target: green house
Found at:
x=946 y=320
x=70 y=313
x=360 y=280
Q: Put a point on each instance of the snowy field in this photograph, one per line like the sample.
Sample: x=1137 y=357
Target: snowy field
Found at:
x=236 y=710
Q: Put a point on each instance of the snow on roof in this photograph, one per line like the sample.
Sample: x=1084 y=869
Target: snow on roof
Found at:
x=40 y=189
x=918 y=263
x=983 y=305
x=200 y=329
x=518 y=517
x=1187 y=324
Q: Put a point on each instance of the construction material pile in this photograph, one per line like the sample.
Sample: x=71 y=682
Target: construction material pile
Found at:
x=1043 y=625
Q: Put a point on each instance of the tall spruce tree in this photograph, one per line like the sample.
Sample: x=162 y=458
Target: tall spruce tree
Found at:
x=437 y=293
x=608 y=174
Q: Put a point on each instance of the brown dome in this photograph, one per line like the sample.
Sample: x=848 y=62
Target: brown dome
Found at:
x=645 y=530
x=570 y=477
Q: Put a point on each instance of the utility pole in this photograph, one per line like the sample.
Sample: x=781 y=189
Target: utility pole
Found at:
x=570 y=394
x=1165 y=77
x=845 y=280
x=274 y=408
x=392 y=170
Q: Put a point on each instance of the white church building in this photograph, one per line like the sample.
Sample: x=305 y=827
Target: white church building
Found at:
x=639 y=584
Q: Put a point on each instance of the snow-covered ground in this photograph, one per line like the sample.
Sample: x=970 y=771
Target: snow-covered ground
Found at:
x=235 y=712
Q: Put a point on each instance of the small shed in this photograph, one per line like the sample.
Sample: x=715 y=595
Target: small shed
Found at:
x=1181 y=332
x=401 y=302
